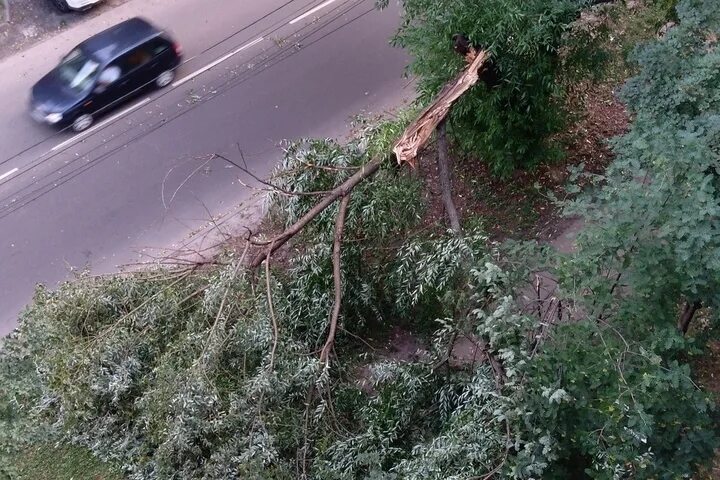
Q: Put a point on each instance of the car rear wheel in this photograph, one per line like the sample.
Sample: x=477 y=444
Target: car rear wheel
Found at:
x=82 y=122
x=165 y=78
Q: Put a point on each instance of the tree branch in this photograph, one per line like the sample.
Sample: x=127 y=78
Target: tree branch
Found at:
x=337 y=279
x=272 y=311
x=406 y=148
x=271 y=187
x=341 y=190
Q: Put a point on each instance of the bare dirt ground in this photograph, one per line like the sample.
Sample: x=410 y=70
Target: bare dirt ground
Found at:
x=25 y=22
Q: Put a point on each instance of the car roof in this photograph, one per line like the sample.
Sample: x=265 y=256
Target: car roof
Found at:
x=110 y=43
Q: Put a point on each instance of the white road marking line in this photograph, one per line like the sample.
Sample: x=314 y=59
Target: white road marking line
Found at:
x=310 y=12
x=216 y=62
x=7 y=174
x=100 y=125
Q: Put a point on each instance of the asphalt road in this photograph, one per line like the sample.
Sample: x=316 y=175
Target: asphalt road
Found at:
x=147 y=179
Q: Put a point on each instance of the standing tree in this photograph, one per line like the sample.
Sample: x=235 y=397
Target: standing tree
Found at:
x=508 y=123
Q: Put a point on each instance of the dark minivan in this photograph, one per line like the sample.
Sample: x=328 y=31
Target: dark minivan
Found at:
x=104 y=71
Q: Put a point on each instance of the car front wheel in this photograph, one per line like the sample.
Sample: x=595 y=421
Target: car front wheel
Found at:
x=165 y=78
x=82 y=122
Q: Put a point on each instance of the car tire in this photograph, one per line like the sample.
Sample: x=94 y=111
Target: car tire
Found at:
x=165 y=78
x=82 y=122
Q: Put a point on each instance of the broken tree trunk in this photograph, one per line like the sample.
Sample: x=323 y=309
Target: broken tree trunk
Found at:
x=419 y=131
x=687 y=316
x=444 y=173
x=415 y=137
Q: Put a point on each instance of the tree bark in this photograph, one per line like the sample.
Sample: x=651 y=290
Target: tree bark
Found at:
x=445 y=183
x=687 y=316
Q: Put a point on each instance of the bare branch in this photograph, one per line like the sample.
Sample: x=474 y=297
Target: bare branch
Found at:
x=166 y=205
x=270 y=186
x=337 y=279
x=272 y=309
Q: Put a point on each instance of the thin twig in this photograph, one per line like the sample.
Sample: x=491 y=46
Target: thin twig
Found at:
x=345 y=330
x=270 y=186
x=162 y=189
x=225 y=235
x=238 y=264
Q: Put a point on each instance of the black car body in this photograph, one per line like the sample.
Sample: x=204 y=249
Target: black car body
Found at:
x=104 y=71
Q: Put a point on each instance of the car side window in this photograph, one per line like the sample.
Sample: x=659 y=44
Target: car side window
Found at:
x=156 y=46
x=135 y=58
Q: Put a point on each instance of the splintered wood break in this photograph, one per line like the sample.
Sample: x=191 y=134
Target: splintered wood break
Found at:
x=419 y=132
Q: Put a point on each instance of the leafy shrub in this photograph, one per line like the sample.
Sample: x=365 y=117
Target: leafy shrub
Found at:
x=617 y=408
x=176 y=381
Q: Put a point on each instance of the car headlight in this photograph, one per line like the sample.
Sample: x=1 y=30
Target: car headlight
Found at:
x=53 y=117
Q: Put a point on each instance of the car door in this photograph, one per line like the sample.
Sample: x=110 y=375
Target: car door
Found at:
x=127 y=79
x=161 y=51
x=135 y=65
x=109 y=88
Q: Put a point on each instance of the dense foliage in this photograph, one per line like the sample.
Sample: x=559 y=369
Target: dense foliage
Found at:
x=509 y=124
x=173 y=377
x=655 y=215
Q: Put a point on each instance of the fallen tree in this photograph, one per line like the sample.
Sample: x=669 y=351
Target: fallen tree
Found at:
x=405 y=150
x=201 y=374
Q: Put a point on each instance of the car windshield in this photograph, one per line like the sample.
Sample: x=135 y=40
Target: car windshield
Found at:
x=77 y=71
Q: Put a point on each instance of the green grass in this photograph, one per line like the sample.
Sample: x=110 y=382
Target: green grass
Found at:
x=46 y=462
x=632 y=27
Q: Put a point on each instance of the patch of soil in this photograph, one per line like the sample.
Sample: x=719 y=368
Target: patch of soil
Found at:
x=399 y=346
x=33 y=20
